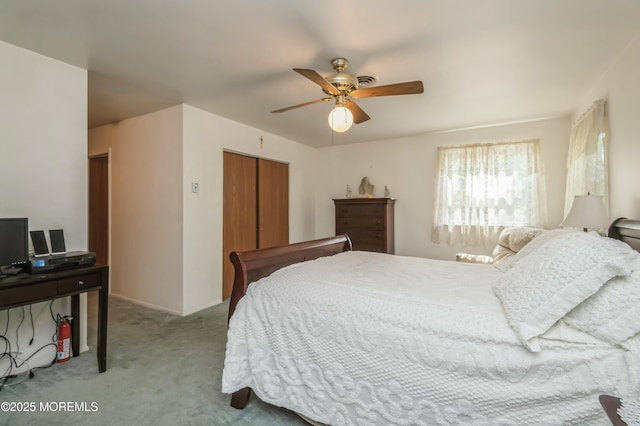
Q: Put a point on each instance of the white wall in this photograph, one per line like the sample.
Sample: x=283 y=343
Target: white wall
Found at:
x=43 y=152
x=206 y=137
x=407 y=167
x=620 y=86
x=166 y=241
x=146 y=207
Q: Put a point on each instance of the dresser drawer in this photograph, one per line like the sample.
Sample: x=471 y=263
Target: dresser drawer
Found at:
x=18 y=295
x=369 y=247
x=371 y=224
x=373 y=239
x=79 y=283
x=365 y=235
x=359 y=211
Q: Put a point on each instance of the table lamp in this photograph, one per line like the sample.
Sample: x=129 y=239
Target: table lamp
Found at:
x=586 y=212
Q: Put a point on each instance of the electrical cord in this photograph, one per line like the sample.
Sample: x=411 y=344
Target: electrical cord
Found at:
x=13 y=376
x=18 y=329
x=33 y=327
x=55 y=333
x=6 y=354
x=14 y=362
x=6 y=329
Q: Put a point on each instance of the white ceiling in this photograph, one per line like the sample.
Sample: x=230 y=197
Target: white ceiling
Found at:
x=482 y=62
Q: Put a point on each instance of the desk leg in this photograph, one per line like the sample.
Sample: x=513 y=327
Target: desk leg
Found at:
x=75 y=324
x=103 y=307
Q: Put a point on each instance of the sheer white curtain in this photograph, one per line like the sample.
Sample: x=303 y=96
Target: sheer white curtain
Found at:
x=483 y=188
x=587 y=160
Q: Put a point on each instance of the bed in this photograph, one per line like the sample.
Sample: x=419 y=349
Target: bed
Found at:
x=359 y=338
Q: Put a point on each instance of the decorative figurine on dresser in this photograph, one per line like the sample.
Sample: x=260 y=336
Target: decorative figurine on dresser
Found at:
x=367 y=221
x=366 y=188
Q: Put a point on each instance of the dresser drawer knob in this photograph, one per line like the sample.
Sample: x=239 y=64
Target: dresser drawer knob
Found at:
x=80 y=282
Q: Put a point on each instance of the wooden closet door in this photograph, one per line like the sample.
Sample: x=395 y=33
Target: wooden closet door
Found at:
x=273 y=203
x=239 y=212
x=99 y=208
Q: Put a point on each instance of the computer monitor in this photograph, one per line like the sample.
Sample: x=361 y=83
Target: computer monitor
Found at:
x=14 y=242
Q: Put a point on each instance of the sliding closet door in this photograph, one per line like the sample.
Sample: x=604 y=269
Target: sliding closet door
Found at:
x=255 y=208
x=273 y=203
x=239 y=212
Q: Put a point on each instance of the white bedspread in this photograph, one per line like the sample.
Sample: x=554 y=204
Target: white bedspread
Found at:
x=362 y=338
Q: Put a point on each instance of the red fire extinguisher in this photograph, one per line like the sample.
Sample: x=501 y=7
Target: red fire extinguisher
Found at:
x=64 y=340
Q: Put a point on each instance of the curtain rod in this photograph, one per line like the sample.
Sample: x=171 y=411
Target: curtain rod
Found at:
x=589 y=110
x=474 y=145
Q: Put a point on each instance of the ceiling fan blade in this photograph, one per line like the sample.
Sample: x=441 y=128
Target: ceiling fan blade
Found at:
x=319 y=80
x=302 y=105
x=408 y=88
x=358 y=114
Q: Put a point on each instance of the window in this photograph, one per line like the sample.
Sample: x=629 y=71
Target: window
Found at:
x=483 y=188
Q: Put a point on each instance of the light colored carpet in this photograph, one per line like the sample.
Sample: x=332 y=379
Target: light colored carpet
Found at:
x=161 y=370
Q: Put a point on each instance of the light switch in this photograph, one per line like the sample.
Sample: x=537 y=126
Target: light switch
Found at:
x=195 y=187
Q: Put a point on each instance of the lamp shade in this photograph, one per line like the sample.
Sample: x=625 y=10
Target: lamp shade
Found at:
x=586 y=212
x=340 y=119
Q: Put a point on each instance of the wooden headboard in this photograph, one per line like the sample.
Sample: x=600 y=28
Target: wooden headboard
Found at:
x=252 y=265
x=627 y=230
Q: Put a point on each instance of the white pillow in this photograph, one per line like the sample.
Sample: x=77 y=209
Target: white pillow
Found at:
x=531 y=246
x=613 y=313
x=547 y=283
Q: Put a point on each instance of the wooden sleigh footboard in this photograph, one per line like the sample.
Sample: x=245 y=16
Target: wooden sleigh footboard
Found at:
x=252 y=265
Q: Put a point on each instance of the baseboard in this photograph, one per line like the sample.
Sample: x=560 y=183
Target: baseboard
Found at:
x=145 y=304
x=205 y=306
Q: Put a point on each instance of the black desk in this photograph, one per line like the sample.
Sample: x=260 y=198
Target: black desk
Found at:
x=25 y=289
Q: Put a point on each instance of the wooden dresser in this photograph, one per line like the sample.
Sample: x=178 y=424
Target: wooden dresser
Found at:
x=367 y=221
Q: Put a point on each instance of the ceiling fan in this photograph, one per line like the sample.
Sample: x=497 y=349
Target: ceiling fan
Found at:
x=344 y=88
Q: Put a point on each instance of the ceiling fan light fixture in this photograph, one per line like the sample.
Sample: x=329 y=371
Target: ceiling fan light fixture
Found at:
x=340 y=119
x=345 y=88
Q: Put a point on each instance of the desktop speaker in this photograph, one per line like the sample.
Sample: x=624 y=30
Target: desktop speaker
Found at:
x=40 y=247
x=57 y=241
